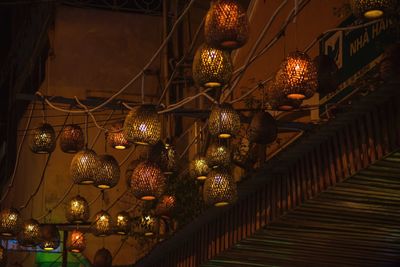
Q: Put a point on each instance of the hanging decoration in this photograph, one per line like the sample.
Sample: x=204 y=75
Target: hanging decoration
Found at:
x=102 y=258
x=10 y=223
x=102 y=225
x=278 y=101
x=226 y=25
x=3 y=256
x=72 y=138
x=30 y=233
x=165 y=156
x=147 y=225
x=116 y=138
x=50 y=237
x=263 y=128
x=108 y=174
x=77 y=210
x=43 y=139
x=220 y=188
x=77 y=242
x=212 y=67
x=218 y=155
x=165 y=206
x=372 y=9
x=84 y=167
x=198 y=168
x=224 y=121
x=123 y=224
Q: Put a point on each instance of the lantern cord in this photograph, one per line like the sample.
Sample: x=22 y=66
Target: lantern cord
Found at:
x=142 y=88
x=193 y=141
x=100 y=130
x=119 y=248
x=94 y=200
x=44 y=111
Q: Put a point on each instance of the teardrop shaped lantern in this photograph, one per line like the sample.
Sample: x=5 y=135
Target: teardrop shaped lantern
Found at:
x=278 y=101
x=165 y=155
x=50 y=237
x=102 y=225
x=84 y=167
x=10 y=223
x=212 y=67
x=220 y=188
x=199 y=168
x=77 y=241
x=263 y=128
x=148 y=181
x=77 y=210
x=372 y=9
x=123 y=224
x=108 y=174
x=147 y=225
x=102 y=258
x=218 y=155
x=224 y=121
x=30 y=234
x=72 y=138
x=43 y=139
x=142 y=125
x=116 y=138
x=3 y=256
x=165 y=206
x=226 y=25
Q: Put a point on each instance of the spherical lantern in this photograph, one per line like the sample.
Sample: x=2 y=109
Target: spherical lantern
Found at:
x=263 y=128
x=77 y=242
x=220 y=188
x=102 y=225
x=147 y=225
x=50 y=237
x=165 y=156
x=102 y=258
x=298 y=76
x=84 y=167
x=3 y=256
x=199 y=168
x=123 y=224
x=372 y=9
x=148 y=181
x=218 y=155
x=30 y=234
x=77 y=210
x=224 y=121
x=43 y=139
x=109 y=172
x=10 y=223
x=72 y=138
x=278 y=101
x=165 y=206
x=226 y=25
x=212 y=67
x=116 y=138
x=142 y=125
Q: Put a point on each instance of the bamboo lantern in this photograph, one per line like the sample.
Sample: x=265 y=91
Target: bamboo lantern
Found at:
x=199 y=168
x=148 y=225
x=3 y=256
x=123 y=224
x=220 y=188
x=77 y=241
x=212 y=67
x=43 y=139
x=224 y=121
x=30 y=234
x=218 y=155
x=278 y=101
x=10 y=223
x=142 y=125
x=102 y=258
x=373 y=9
x=103 y=225
x=165 y=206
x=165 y=156
x=116 y=138
x=84 y=167
x=77 y=210
x=72 y=138
x=226 y=25
x=148 y=181
x=263 y=128
x=50 y=237
x=108 y=174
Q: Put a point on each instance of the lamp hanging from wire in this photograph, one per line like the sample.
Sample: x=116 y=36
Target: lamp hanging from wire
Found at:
x=108 y=174
x=102 y=258
x=77 y=210
x=123 y=224
x=10 y=223
x=198 y=168
x=3 y=256
x=224 y=121
x=50 y=237
x=220 y=188
x=263 y=128
x=77 y=242
x=147 y=225
x=372 y=9
x=102 y=225
x=43 y=139
x=72 y=138
x=218 y=155
x=165 y=206
x=116 y=138
x=30 y=233
x=165 y=155
x=278 y=101
x=84 y=167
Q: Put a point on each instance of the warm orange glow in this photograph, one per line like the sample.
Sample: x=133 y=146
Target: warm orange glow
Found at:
x=220 y=204
x=296 y=96
x=373 y=14
x=120 y=147
x=148 y=198
x=78 y=241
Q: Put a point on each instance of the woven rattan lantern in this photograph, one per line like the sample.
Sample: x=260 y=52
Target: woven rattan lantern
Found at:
x=224 y=121
x=142 y=125
x=50 y=237
x=3 y=256
x=212 y=67
x=165 y=156
x=123 y=224
x=109 y=172
x=165 y=206
x=84 y=167
x=102 y=258
x=218 y=155
x=373 y=9
x=263 y=128
x=30 y=234
x=298 y=76
x=72 y=138
x=147 y=225
x=116 y=138
x=278 y=101
x=77 y=241
x=102 y=225
x=10 y=223
x=220 y=188
x=199 y=168
x=43 y=139
x=77 y=210
x=226 y=25
x=148 y=181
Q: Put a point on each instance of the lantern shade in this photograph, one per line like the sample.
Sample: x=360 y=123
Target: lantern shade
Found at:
x=84 y=167
x=278 y=101
x=226 y=25
x=372 y=9
x=199 y=168
x=102 y=258
x=147 y=225
x=3 y=256
x=148 y=181
x=77 y=241
x=77 y=210
x=30 y=234
x=10 y=223
x=224 y=121
x=218 y=155
x=43 y=139
x=50 y=237
x=142 y=125
x=102 y=225
x=116 y=138
x=212 y=67
x=109 y=173
x=263 y=128
x=165 y=206
x=220 y=188
x=72 y=138
x=123 y=224
x=165 y=156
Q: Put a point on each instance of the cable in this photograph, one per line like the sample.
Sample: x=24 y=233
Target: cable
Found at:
x=127 y=157
x=100 y=131
x=119 y=249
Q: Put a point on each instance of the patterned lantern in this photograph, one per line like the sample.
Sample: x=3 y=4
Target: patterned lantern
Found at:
x=263 y=128
x=30 y=234
x=165 y=156
x=72 y=138
x=212 y=67
x=10 y=223
x=148 y=225
x=218 y=155
x=198 y=168
x=142 y=125
x=224 y=121
x=278 y=101
x=3 y=256
x=77 y=242
x=165 y=206
x=77 y=210
x=220 y=188
x=50 y=237
x=116 y=138
x=43 y=139
x=102 y=225
x=298 y=76
x=226 y=25
x=148 y=181
x=123 y=224
x=372 y=9
x=84 y=167
x=108 y=173
x=102 y=258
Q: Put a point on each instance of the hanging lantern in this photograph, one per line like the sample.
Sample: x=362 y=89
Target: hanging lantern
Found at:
x=263 y=128
x=77 y=210
x=50 y=237
x=218 y=155
x=84 y=167
x=124 y=224
x=165 y=156
x=142 y=125
x=298 y=76
x=278 y=101
x=165 y=206
x=3 y=256
x=226 y=25
x=147 y=181
x=224 y=121
x=10 y=223
x=77 y=242
x=108 y=173
x=198 y=168
x=212 y=67
x=30 y=234
x=72 y=138
x=220 y=188
x=43 y=139
x=373 y=9
x=102 y=258
x=102 y=225
x=116 y=138
x=147 y=225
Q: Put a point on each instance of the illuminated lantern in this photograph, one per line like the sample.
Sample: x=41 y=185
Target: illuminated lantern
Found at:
x=116 y=138
x=373 y=9
x=224 y=121
x=263 y=128
x=165 y=156
x=123 y=224
x=77 y=210
x=77 y=242
x=3 y=256
x=218 y=155
x=72 y=138
x=198 y=168
x=147 y=225
x=278 y=101
x=84 y=167
x=102 y=225
x=43 y=139
x=30 y=234
x=10 y=223
x=220 y=188
x=50 y=237
x=108 y=174
x=102 y=258
x=165 y=206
